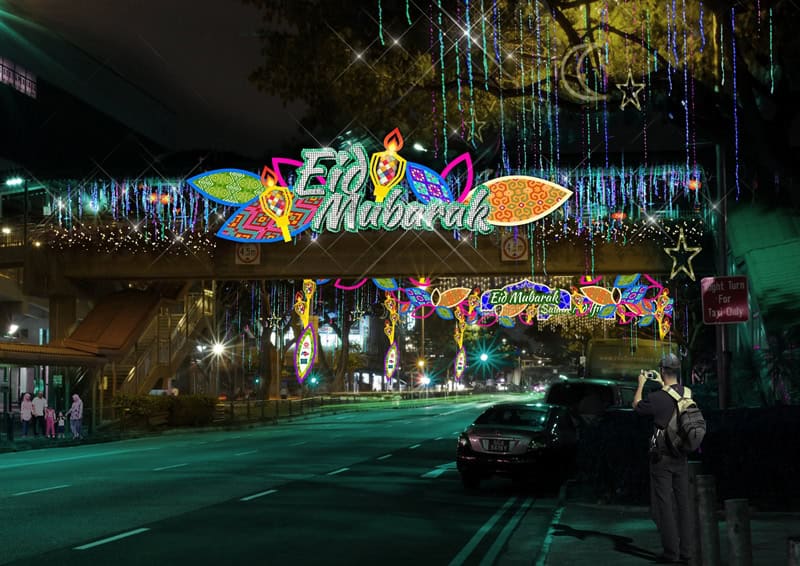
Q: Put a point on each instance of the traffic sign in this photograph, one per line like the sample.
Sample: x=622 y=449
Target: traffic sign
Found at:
x=248 y=254
x=724 y=300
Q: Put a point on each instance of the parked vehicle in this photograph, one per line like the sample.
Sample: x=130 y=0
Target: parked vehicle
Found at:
x=517 y=440
x=587 y=399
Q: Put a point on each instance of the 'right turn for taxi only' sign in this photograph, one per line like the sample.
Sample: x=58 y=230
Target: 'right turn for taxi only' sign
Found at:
x=724 y=300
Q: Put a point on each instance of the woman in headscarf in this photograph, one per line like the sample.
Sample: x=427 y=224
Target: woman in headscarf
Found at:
x=75 y=415
x=26 y=413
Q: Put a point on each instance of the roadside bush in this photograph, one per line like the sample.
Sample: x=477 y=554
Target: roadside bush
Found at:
x=182 y=410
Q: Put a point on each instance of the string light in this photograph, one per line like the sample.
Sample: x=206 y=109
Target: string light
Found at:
x=735 y=101
x=771 y=60
x=380 y=23
x=445 y=125
x=468 y=34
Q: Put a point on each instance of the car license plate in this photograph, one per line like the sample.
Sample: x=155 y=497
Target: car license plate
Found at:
x=498 y=445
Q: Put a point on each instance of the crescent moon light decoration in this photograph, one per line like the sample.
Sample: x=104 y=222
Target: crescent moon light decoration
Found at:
x=586 y=94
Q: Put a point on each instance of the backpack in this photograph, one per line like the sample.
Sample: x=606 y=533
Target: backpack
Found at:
x=687 y=427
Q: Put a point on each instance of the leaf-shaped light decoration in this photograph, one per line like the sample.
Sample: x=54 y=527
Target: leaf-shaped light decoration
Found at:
x=305 y=353
x=445 y=313
x=505 y=321
x=386 y=284
x=450 y=297
x=466 y=188
x=228 y=186
x=598 y=295
x=251 y=224
x=339 y=285
x=516 y=199
x=427 y=184
x=626 y=280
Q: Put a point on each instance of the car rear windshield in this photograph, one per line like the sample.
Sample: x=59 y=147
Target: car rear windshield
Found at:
x=512 y=416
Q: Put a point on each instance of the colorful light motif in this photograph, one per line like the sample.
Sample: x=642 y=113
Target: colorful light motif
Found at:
x=516 y=200
x=390 y=361
x=276 y=202
x=305 y=353
x=387 y=168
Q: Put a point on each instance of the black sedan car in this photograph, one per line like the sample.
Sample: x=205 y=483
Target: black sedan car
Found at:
x=522 y=441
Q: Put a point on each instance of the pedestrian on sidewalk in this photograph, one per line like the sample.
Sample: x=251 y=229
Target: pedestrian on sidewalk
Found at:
x=669 y=472
x=39 y=405
x=50 y=422
x=60 y=420
x=26 y=413
x=75 y=415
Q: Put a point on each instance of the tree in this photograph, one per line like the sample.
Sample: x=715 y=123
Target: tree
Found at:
x=526 y=82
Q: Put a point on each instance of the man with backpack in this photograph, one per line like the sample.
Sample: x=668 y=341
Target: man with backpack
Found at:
x=669 y=470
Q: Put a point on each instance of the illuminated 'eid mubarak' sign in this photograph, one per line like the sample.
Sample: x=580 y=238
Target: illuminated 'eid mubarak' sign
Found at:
x=329 y=193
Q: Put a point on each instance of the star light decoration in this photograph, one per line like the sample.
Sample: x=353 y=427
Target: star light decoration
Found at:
x=682 y=256
x=630 y=92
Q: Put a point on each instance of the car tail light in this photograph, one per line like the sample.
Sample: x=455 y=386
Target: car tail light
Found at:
x=535 y=445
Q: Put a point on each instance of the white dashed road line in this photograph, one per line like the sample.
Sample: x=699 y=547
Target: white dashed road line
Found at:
x=439 y=470
x=169 y=467
x=40 y=490
x=261 y=494
x=384 y=457
x=414 y=446
x=299 y=443
x=339 y=471
x=244 y=453
x=112 y=539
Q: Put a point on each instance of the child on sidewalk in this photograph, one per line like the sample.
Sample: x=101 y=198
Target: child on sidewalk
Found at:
x=60 y=421
x=50 y=422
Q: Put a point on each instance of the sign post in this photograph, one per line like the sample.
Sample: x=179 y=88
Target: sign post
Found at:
x=724 y=300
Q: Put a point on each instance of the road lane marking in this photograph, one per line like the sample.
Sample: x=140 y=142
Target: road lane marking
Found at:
x=384 y=457
x=500 y=541
x=31 y=461
x=112 y=539
x=40 y=490
x=438 y=438
x=339 y=471
x=482 y=532
x=244 y=453
x=255 y=495
x=169 y=467
x=415 y=446
x=439 y=470
x=299 y=443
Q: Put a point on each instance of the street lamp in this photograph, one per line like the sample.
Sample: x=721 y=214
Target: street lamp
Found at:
x=218 y=349
x=16 y=182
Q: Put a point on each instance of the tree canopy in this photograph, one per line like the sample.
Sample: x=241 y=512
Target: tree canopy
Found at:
x=534 y=84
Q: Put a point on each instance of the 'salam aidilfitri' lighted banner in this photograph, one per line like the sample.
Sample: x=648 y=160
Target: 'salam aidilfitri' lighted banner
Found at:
x=330 y=194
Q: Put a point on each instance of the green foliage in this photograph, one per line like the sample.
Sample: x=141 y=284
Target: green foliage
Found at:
x=182 y=409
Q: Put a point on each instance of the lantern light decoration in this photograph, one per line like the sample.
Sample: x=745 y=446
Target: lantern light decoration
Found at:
x=387 y=168
x=619 y=215
x=695 y=184
x=276 y=202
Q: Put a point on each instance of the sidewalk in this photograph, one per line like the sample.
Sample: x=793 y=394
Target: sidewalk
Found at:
x=592 y=534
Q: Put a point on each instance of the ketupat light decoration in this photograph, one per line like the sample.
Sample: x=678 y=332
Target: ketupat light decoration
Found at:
x=276 y=202
x=682 y=256
x=391 y=358
x=460 y=362
x=387 y=168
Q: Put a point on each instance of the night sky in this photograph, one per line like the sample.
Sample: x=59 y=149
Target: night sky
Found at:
x=194 y=56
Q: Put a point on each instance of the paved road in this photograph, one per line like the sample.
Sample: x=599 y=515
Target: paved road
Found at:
x=377 y=487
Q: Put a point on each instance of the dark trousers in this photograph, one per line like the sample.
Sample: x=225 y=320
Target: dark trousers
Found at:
x=669 y=504
x=38 y=425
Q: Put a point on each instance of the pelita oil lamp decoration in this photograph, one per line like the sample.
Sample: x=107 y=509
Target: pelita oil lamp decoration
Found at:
x=276 y=202
x=386 y=168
